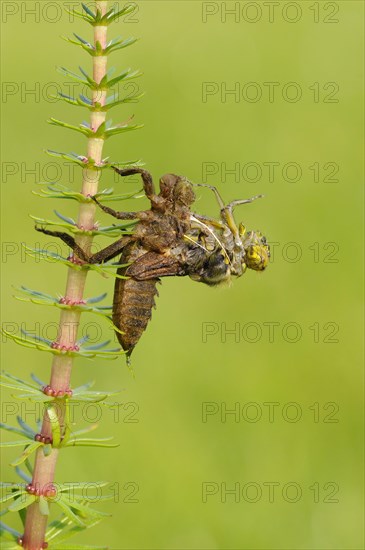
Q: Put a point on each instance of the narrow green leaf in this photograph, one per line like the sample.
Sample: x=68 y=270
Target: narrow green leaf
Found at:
x=74 y=76
x=118 y=45
x=13 y=485
x=83 y=508
x=115 y=130
x=18 y=388
x=82 y=485
x=7 y=529
x=80 y=160
x=22 y=514
x=81 y=15
x=16 y=379
x=23 y=475
x=43 y=506
x=26 y=427
x=40 y=398
x=28 y=466
x=128 y=99
x=21 y=502
x=90 y=80
x=81 y=129
x=126 y=75
x=11 y=496
x=56 y=428
x=63 y=504
x=63 y=529
x=13 y=429
x=84 y=387
x=88 y=442
x=12 y=443
x=88 y=10
x=90 y=399
x=26 y=453
x=34 y=376
x=113 y=15
x=67 y=429
x=89 y=429
x=66 y=219
x=58 y=526
x=47 y=449
x=82 y=40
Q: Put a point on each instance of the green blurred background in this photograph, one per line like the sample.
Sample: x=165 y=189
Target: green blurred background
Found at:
x=314 y=439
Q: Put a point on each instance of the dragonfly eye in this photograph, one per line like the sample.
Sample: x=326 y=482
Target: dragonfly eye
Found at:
x=257 y=251
x=257 y=257
x=183 y=193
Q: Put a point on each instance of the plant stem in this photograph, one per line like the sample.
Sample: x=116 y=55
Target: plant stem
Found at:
x=44 y=466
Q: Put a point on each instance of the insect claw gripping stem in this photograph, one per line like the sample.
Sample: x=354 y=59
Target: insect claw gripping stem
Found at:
x=67 y=239
x=149 y=188
x=114 y=213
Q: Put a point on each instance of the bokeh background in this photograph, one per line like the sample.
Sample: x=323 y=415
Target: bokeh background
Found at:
x=311 y=375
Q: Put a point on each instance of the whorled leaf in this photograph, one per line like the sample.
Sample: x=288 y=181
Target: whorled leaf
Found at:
x=96 y=106
x=58 y=191
x=21 y=502
x=97 y=50
x=36 y=297
x=91 y=442
x=103 y=268
x=78 y=507
x=55 y=425
x=14 y=430
x=10 y=381
x=7 y=532
x=23 y=475
x=43 y=506
x=39 y=298
x=62 y=529
x=26 y=453
x=102 y=132
x=106 y=83
x=43 y=344
x=35 y=394
x=113 y=231
x=97 y=18
x=13 y=494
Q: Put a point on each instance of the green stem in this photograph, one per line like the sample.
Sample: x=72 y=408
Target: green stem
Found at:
x=44 y=466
